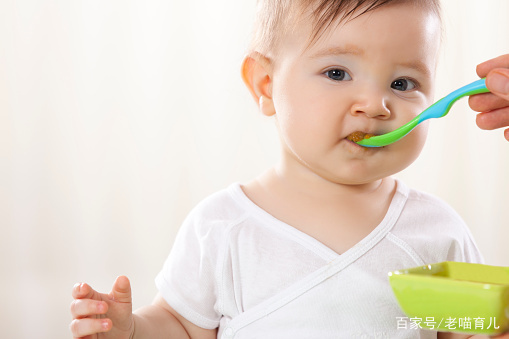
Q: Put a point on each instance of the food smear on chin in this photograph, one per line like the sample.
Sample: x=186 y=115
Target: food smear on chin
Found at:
x=358 y=136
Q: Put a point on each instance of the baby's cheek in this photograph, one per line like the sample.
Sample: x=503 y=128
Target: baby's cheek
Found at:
x=413 y=143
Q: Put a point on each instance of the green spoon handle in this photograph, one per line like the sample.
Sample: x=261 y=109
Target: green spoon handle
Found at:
x=437 y=110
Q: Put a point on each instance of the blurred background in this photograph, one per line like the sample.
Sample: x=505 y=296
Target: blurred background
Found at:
x=117 y=117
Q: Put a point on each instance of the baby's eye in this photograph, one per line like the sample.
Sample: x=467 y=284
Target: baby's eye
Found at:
x=403 y=85
x=337 y=74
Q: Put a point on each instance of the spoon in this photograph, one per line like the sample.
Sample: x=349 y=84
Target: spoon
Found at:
x=437 y=110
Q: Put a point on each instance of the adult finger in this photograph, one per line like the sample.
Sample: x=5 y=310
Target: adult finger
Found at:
x=81 y=308
x=493 y=119
x=486 y=102
x=499 y=62
x=497 y=82
x=83 y=327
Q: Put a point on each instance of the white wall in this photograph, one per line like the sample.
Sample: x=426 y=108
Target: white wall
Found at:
x=116 y=117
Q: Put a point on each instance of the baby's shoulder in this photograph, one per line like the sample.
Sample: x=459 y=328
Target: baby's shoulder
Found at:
x=427 y=214
x=434 y=230
x=217 y=211
x=221 y=204
x=426 y=206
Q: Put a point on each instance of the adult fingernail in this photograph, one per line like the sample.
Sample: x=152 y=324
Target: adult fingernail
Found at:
x=499 y=82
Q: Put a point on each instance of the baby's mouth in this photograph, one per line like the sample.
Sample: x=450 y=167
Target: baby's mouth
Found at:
x=358 y=136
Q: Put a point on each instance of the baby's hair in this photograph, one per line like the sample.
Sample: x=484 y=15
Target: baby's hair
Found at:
x=275 y=18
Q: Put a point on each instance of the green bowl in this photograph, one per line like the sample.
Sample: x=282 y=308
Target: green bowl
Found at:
x=454 y=297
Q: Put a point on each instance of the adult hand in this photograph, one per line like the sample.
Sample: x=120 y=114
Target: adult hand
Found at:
x=494 y=106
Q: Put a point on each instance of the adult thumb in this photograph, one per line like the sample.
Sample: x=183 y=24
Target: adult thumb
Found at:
x=121 y=291
x=497 y=82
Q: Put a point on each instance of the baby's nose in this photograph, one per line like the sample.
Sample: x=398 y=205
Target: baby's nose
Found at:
x=372 y=105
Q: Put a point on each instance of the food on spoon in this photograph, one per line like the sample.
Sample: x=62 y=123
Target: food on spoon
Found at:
x=358 y=136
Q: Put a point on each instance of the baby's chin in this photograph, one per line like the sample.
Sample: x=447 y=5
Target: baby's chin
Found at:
x=358 y=179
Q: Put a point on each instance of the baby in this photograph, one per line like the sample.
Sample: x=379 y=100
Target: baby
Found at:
x=303 y=250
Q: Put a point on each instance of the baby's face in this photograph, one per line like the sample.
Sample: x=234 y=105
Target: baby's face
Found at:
x=372 y=74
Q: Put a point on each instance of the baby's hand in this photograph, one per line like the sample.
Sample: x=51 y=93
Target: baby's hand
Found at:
x=98 y=315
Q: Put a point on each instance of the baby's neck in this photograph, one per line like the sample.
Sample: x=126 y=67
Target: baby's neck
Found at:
x=306 y=183
x=337 y=215
x=316 y=195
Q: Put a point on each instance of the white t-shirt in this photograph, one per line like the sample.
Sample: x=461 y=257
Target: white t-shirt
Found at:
x=236 y=267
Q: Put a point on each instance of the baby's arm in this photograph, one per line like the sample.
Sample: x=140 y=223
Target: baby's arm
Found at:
x=172 y=325
x=110 y=316
x=450 y=335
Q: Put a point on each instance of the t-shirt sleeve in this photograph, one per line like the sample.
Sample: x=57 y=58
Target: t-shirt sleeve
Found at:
x=189 y=279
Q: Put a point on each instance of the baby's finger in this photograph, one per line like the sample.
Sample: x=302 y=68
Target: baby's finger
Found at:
x=83 y=327
x=86 y=307
x=84 y=291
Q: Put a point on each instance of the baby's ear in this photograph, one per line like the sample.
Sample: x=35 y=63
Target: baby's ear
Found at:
x=256 y=72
